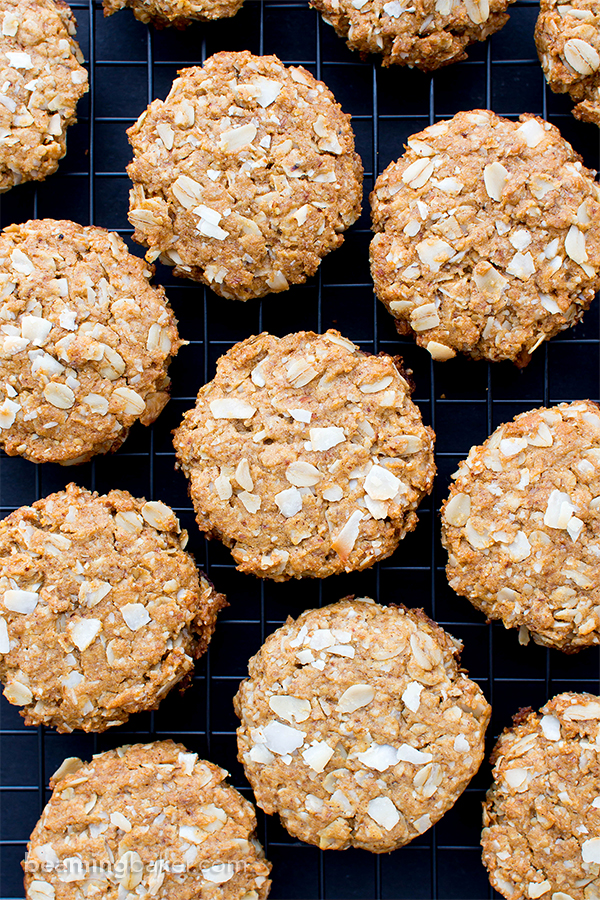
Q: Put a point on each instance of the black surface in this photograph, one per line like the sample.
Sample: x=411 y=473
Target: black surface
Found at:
x=130 y=65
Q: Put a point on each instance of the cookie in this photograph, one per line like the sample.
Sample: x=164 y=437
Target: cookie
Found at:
x=567 y=36
x=145 y=820
x=174 y=12
x=84 y=345
x=305 y=456
x=358 y=726
x=101 y=610
x=42 y=79
x=488 y=237
x=245 y=176
x=542 y=813
x=425 y=33
x=522 y=526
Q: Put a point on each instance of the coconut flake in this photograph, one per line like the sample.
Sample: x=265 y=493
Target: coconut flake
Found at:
x=532 y=132
x=344 y=542
x=495 y=177
x=355 y=697
x=300 y=415
x=84 y=632
x=520 y=548
x=412 y=755
x=512 y=446
x=422 y=823
x=590 y=850
x=550 y=728
x=283 y=739
x=231 y=408
x=317 y=755
x=379 y=756
x=237 y=138
x=289 y=502
x=269 y=90
x=303 y=474
x=21 y=601
x=290 y=708
x=219 y=873
x=381 y=484
x=136 y=615
x=326 y=438
x=383 y=811
x=559 y=510
x=412 y=695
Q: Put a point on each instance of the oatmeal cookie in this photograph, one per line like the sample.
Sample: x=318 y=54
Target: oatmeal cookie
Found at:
x=101 y=610
x=542 y=813
x=245 y=176
x=175 y=12
x=567 y=36
x=84 y=345
x=358 y=726
x=488 y=237
x=522 y=526
x=145 y=820
x=305 y=456
x=42 y=79
x=429 y=34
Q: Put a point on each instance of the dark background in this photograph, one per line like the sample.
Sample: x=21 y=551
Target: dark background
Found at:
x=131 y=64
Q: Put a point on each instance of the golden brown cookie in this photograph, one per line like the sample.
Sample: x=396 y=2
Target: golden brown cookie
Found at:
x=522 y=526
x=488 y=237
x=145 y=820
x=358 y=726
x=305 y=456
x=174 y=12
x=245 y=176
x=85 y=341
x=542 y=813
x=41 y=79
x=567 y=36
x=101 y=610
x=423 y=33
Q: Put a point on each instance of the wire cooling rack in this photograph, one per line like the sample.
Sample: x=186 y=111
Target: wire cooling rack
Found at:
x=131 y=64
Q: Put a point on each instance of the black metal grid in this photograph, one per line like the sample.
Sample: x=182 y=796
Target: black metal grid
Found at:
x=130 y=64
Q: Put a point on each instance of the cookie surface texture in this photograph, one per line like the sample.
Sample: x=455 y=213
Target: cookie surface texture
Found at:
x=305 y=456
x=488 y=237
x=522 y=525
x=40 y=68
x=174 y=12
x=84 y=345
x=567 y=36
x=542 y=813
x=429 y=34
x=245 y=176
x=102 y=611
x=358 y=726
x=145 y=820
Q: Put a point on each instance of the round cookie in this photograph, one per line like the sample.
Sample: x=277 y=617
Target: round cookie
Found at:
x=429 y=34
x=84 y=345
x=488 y=237
x=145 y=820
x=42 y=78
x=358 y=726
x=174 y=12
x=567 y=36
x=245 y=176
x=522 y=526
x=305 y=456
x=101 y=610
x=542 y=813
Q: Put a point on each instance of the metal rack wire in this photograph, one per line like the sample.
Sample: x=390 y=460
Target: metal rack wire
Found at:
x=129 y=65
